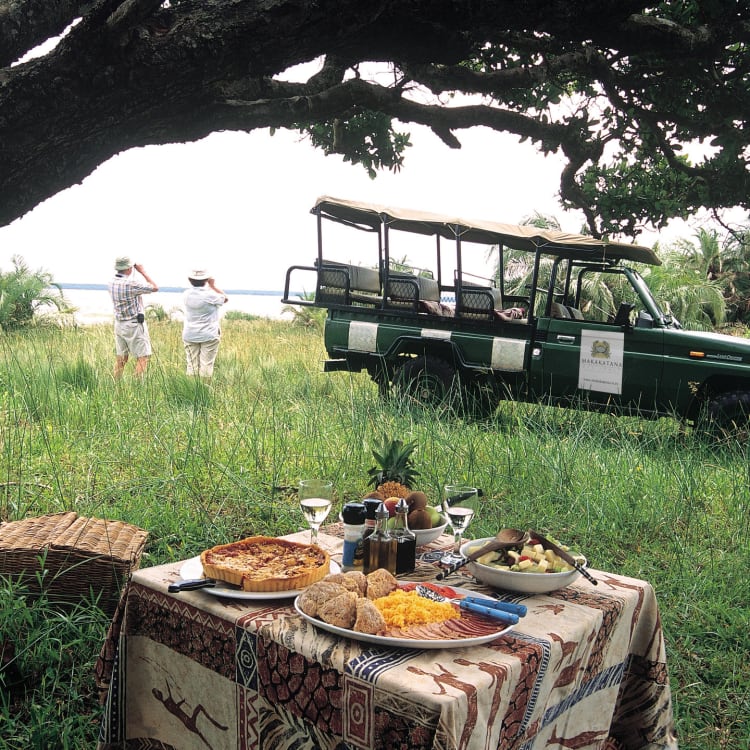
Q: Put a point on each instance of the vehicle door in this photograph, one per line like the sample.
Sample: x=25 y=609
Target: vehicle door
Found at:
x=602 y=363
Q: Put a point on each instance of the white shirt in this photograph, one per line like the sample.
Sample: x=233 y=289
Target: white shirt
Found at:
x=201 y=314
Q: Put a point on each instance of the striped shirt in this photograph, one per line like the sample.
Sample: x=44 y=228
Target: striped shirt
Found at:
x=126 y=296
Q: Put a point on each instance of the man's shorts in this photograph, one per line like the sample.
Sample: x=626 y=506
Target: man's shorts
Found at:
x=131 y=337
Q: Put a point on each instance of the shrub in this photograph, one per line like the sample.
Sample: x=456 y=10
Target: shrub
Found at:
x=25 y=294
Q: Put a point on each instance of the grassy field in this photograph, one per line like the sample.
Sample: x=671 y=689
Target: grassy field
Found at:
x=198 y=465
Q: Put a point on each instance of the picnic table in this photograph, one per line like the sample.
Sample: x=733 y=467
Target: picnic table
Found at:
x=585 y=669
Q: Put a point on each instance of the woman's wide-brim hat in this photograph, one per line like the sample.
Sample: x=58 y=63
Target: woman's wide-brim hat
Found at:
x=199 y=274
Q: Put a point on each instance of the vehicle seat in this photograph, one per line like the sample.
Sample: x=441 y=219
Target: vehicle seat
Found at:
x=477 y=302
x=560 y=311
x=341 y=283
x=402 y=291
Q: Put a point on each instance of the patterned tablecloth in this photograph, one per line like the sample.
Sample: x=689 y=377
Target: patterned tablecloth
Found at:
x=585 y=669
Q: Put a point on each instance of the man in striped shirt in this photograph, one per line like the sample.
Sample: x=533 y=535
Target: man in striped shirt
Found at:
x=131 y=333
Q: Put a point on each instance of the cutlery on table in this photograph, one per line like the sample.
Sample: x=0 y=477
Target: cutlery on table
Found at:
x=560 y=552
x=191 y=585
x=507 y=612
x=503 y=539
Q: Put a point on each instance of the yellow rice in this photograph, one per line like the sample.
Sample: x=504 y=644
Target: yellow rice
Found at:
x=403 y=608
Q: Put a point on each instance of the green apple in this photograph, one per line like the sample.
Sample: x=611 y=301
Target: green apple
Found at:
x=435 y=517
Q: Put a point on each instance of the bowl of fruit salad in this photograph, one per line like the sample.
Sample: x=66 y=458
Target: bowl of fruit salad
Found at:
x=528 y=568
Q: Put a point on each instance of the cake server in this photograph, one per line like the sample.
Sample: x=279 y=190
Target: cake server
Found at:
x=191 y=585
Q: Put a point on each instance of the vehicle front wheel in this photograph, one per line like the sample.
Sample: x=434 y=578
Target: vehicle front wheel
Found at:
x=426 y=380
x=728 y=415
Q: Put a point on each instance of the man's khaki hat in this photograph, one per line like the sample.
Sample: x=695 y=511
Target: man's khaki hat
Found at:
x=123 y=263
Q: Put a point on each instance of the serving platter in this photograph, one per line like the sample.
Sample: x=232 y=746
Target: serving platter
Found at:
x=193 y=568
x=484 y=630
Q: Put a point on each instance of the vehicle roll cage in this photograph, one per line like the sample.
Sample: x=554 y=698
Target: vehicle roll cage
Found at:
x=587 y=253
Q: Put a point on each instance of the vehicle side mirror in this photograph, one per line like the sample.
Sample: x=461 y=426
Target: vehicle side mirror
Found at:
x=644 y=320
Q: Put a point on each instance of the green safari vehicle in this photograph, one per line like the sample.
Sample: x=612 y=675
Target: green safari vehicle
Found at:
x=442 y=334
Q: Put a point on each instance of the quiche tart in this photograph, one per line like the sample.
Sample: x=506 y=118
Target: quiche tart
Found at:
x=262 y=563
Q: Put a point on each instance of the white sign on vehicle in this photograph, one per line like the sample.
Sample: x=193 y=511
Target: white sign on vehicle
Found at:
x=363 y=337
x=601 y=360
x=508 y=354
x=435 y=333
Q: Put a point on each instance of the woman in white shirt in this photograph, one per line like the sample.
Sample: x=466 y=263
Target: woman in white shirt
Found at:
x=201 y=332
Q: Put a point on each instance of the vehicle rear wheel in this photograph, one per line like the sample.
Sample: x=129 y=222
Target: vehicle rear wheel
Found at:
x=728 y=415
x=427 y=380
x=382 y=379
x=481 y=399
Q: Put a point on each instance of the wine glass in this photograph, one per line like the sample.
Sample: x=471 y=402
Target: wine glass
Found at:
x=315 y=497
x=459 y=504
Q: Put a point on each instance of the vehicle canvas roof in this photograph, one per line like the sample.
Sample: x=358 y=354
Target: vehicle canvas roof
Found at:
x=518 y=237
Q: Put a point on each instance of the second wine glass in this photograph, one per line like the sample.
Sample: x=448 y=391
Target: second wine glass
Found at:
x=459 y=505
x=315 y=497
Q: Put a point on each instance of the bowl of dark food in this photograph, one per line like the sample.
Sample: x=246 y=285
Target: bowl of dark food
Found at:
x=425 y=536
x=527 y=568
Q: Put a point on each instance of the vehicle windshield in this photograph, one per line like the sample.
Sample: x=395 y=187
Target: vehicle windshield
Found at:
x=652 y=306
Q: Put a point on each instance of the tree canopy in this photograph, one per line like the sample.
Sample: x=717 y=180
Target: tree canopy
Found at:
x=621 y=88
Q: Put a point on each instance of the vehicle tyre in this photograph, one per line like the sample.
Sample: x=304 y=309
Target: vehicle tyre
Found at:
x=382 y=379
x=429 y=381
x=728 y=415
x=481 y=399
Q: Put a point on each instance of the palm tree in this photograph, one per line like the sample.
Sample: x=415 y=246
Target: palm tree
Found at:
x=735 y=275
x=519 y=264
x=600 y=295
x=690 y=283
x=540 y=221
x=156 y=313
x=24 y=295
x=697 y=304
x=705 y=259
x=305 y=315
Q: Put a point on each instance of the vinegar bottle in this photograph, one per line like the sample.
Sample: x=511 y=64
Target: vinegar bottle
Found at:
x=406 y=542
x=380 y=546
x=371 y=508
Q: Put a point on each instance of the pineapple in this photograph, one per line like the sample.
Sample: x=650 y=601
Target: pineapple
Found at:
x=395 y=472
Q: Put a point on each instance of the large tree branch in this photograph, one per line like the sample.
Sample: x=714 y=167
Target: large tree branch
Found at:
x=329 y=102
x=140 y=72
x=25 y=24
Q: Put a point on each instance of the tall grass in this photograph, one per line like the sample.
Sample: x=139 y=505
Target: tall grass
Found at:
x=199 y=464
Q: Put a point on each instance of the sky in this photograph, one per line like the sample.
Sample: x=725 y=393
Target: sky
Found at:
x=239 y=204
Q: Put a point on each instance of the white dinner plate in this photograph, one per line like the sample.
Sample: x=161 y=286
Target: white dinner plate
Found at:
x=381 y=640
x=193 y=568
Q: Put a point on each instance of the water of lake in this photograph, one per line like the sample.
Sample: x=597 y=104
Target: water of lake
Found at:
x=95 y=306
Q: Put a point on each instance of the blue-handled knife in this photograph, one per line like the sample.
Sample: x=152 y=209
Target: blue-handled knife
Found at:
x=489 y=611
x=512 y=607
x=508 y=612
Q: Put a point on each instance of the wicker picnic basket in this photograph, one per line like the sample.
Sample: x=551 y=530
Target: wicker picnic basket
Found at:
x=70 y=557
